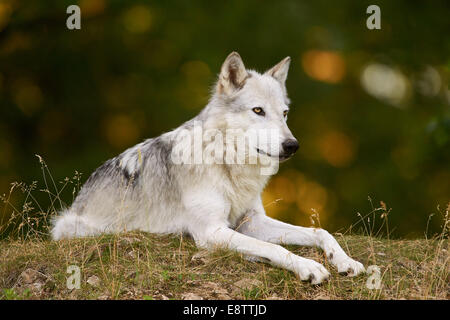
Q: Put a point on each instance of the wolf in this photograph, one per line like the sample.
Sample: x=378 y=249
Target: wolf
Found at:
x=217 y=203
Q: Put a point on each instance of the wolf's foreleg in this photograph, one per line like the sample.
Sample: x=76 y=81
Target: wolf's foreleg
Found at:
x=222 y=236
x=264 y=228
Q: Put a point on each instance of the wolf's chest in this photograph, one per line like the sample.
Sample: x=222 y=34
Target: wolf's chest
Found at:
x=243 y=188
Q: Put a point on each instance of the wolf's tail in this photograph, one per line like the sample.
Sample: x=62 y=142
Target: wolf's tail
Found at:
x=70 y=225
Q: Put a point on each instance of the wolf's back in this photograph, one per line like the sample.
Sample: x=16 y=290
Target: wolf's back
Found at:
x=121 y=193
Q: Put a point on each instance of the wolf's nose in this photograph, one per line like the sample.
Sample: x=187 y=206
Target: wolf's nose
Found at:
x=290 y=146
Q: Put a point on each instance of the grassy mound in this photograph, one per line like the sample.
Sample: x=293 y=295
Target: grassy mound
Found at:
x=145 y=266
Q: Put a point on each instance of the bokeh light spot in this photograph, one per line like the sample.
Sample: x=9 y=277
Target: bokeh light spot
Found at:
x=385 y=83
x=5 y=13
x=196 y=70
x=284 y=188
x=138 y=19
x=92 y=7
x=120 y=131
x=311 y=195
x=337 y=148
x=193 y=92
x=293 y=191
x=429 y=82
x=14 y=42
x=27 y=96
x=326 y=66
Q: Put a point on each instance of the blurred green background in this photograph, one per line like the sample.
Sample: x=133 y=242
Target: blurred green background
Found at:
x=371 y=108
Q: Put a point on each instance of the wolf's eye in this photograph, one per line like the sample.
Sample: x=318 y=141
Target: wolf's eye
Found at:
x=259 y=111
x=285 y=112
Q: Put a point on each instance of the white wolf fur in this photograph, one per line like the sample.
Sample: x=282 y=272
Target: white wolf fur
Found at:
x=217 y=204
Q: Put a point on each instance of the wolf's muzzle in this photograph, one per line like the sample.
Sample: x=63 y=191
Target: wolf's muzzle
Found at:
x=290 y=146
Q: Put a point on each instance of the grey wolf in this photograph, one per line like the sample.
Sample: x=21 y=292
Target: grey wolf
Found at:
x=217 y=203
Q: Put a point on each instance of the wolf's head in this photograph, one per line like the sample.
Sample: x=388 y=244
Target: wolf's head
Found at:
x=250 y=101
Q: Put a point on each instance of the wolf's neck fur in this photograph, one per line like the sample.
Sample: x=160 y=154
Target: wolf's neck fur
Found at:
x=239 y=184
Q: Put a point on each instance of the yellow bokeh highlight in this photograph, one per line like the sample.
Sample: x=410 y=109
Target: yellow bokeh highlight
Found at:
x=5 y=13
x=439 y=187
x=14 y=42
x=337 y=148
x=138 y=19
x=120 y=131
x=193 y=92
x=27 y=96
x=273 y=205
x=311 y=195
x=292 y=191
x=91 y=8
x=285 y=187
x=195 y=70
x=326 y=66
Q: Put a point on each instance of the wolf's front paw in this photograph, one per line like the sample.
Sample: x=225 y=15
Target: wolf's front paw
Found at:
x=348 y=267
x=309 y=270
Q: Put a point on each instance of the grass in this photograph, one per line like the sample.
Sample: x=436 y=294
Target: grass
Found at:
x=144 y=266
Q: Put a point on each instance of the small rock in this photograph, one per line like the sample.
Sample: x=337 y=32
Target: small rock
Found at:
x=245 y=284
x=322 y=297
x=248 y=284
x=37 y=286
x=214 y=288
x=407 y=263
x=30 y=276
x=190 y=296
x=130 y=240
x=33 y=280
x=200 y=256
x=93 y=281
x=131 y=274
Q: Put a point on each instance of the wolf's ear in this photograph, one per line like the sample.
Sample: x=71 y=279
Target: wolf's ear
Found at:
x=280 y=70
x=232 y=75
